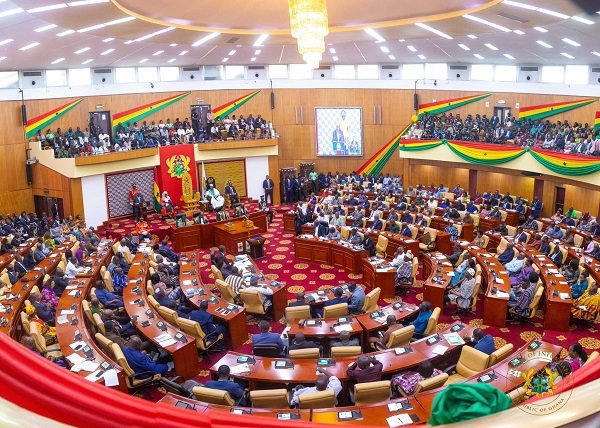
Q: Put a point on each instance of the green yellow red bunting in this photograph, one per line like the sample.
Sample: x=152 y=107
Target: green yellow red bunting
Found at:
x=543 y=111
x=376 y=163
x=231 y=106
x=566 y=164
x=138 y=113
x=597 y=121
x=439 y=107
x=42 y=121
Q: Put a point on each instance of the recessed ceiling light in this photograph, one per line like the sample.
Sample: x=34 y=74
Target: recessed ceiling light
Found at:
x=374 y=34
x=56 y=61
x=491 y=24
x=540 y=29
x=411 y=48
x=173 y=45
x=553 y=13
x=86 y=2
x=571 y=42
x=433 y=30
x=422 y=56
x=232 y=52
x=143 y=60
x=110 y=39
x=206 y=39
x=82 y=50
x=335 y=58
x=106 y=52
x=471 y=36
x=332 y=50
x=465 y=47
x=580 y=19
x=157 y=53
x=401 y=40
x=509 y=56
x=384 y=49
x=93 y=27
x=171 y=60
x=45 y=8
x=119 y=21
x=2 y=58
x=566 y=55
x=492 y=47
x=47 y=27
x=87 y=61
x=392 y=57
x=29 y=46
x=5 y=41
x=260 y=40
x=596 y=53
x=478 y=56
x=517 y=4
x=182 y=53
x=10 y=12
x=128 y=42
x=65 y=33
x=519 y=32
x=225 y=60
x=156 y=33
x=544 y=44
x=253 y=59
x=257 y=52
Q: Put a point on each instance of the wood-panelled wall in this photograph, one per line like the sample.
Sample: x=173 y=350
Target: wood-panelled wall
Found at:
x=49 y=183
x=297 y=142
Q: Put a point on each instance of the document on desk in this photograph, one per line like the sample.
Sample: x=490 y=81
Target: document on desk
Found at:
x=450 y=273
x=440 y=350
x=110 y=378
x=187 y=282
x=502 y=294
x=75 y=359
x=564 y=296
x=454 y=339
x=67 y=312
x=77 y=345
x=448 y=264
x=399 y=420
x=93 y=377
x=73 y=292
x=343 y=327
x=62 y=319
x=554 y=271
x=240 y=368
x=499 y=280
x=54 y=255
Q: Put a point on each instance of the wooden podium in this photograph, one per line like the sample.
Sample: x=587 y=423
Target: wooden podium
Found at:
x=234 y=234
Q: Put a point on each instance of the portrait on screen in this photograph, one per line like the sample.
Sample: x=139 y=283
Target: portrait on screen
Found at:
x=338 y=131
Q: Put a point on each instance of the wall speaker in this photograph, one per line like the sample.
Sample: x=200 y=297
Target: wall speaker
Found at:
x=416 y=102
x=272 y=100
x=29 y=173
x=24 y=114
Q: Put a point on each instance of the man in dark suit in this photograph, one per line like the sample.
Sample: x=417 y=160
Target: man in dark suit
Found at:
x=268 y=186
x=60 y=282
x=289 y=190
x=12 y=275
x=300 y=300
x=300 y=342
x=232 y=193
x=337 y=139
x=368 y=244
x=265 y=336
x=20 y=268
x=206 y=321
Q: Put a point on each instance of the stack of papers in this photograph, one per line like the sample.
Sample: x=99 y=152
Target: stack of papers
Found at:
x=79 y=344
x=186 y=282
x=399 y=420
x=165 y=340
x=240 y=368
x=62 y=319
x=454 y=339
x=440 y=350
x=343 y=327
x=67 y=312
x=565 y=296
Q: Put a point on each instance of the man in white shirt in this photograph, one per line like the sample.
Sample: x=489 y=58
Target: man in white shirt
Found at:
x=72 y=268
x=514 y=266
x=326 y=381
x=337 y=220
x=432 y=204
x=262 y=289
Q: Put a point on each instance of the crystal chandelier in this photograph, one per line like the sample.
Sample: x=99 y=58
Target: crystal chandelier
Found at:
x=308 y=19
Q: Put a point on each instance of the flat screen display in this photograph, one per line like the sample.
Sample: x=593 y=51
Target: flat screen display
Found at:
x=339 y=131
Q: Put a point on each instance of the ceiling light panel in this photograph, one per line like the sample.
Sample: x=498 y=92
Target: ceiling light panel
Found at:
x=5 y=41
x=488 y=23
x=471 y=36
x=86 y=2
x=422 y=56
x=29 y=46
x=478 y=56
x=374 y=34
x=261 y=39
x=492 y=47
x=106 y=52
x=553 y=13
x=56 y=61
x=392 y=57
x=540 y=29
x=65 y=33
x=47 y=27
x=509 y=56
x=156 y=33
x=411 y=48
x=143 y=60
x=87 y=61
x=566 y=55
x=45 y=8
x=521 y=5
x=206 y=39
x=384 y=49
x=433 y=30
x=82 y=50
x=110 y=39
x=157 y=53
x=544 y=44
x=583 y=20
x=519 y=32
x=571 y=42
x=465 y=47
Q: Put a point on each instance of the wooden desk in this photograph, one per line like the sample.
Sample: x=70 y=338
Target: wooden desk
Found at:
x=512 y=217
x=7 y=258
x=433 y=292
x=333 y=253
x=185 y=354
x=396 y=240
x=289 y=222
x=186 y=238
x=66 y=332
x=404 y=314
x=383 y=278
x=325 y=331
x=440 y=223
x=234 y=235
x=488 y=223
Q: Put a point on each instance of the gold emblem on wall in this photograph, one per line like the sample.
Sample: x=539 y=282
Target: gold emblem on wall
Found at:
x=178 y=165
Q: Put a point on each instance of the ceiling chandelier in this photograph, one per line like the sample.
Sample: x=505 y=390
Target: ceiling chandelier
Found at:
x=308 y=20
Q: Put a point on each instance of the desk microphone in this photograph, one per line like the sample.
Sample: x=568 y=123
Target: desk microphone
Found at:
x=310 y=415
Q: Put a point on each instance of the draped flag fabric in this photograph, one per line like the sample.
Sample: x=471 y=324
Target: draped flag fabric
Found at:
x=42 y=121
x=543 y=111
x=442 y=106
x=157 y=206
x=138 y=113
x=597 y=122
x=566 y=164
x=231 y=106
x=376 y=163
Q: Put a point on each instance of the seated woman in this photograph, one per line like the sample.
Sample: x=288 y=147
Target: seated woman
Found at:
x=48 y=332
x=407 y=381
x=557 y=216
x=577 y=356
x=571 y=271
x=580 y=286
x=523 y=274
x=461 y=270
x=48 y=296
x=479 y=239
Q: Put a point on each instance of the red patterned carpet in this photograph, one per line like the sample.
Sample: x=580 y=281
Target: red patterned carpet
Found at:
x=281 y=265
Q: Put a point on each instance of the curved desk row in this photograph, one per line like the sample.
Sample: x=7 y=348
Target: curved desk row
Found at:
x=436 y=271
x=7 y=258
x=333 y=253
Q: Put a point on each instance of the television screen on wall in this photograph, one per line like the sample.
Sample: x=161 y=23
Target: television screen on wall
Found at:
x=339 y=131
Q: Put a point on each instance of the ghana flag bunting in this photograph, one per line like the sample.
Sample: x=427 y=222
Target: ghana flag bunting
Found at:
x=42 y=121
x=232 y=106
x=566 y=164
x=375 y=164
x=597 y=121
x=439 y=107
x=485 y=154
x=543 y=111
x=138 y=113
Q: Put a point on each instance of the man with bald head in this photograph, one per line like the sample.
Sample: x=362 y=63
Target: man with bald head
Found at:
x=300 y=342
x=124 y=325
x=365 y=369
x=344 y=340
x=60 y=281
x=392 y=326
x=140 y=362
x=325 y=381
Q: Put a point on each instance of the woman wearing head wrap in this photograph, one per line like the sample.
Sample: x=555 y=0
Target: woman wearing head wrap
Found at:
x=49 y=333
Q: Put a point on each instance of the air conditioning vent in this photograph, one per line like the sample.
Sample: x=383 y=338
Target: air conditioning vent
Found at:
x=530 y=69
x=324 y=68
x=32 y=74
x=595 y=69
x=459 y=67
x=210 y=78
x=102 y=71
x=232 y=40
x=191 y=68
x=390 y=67
x=513 y=17
x=256 y=67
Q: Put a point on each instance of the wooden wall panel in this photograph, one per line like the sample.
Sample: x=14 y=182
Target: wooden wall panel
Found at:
x=517 y=185
x=222 y=172
x=448 y=176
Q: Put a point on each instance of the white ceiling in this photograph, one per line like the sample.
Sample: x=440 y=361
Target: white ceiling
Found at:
x=353 y=46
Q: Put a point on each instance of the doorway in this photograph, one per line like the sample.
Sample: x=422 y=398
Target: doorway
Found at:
x=502 y=113
x=45 y=204
x=559 y=199
x=101 y=121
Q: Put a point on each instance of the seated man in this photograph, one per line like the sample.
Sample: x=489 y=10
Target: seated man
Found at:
x=122 y=323
x=354 y=237
x=44 y=311
x=365 y=369
x=140 y=362
x=482 y=342
x=404 y=271
x=265 y=291
x=265 y=336
x=377 y=223
x=356 y=298
x=333 y=234
x=508 y=254
x=224 y=383
x=523 y=274
x=521 y=298
x=207 y=323
x=108 y=299
x=300 y=342
x=422 y=320
x=119 y=280
x=235 y=280
x=326 y=381
x=368 y=244
x=392 y=326
x=514 y=266
x=462 y=295
x=344 y=340
x=587 y=305
x=502 y=229
x=167 y=251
